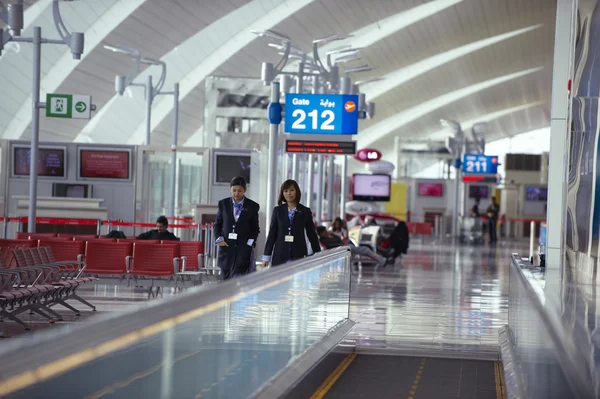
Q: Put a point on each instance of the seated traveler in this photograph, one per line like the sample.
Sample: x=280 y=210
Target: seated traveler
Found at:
x=398 y=240
x=160 y=233
x=330 y=241
x=338 y=228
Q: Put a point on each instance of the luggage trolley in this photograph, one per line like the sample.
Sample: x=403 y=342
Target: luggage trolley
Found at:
x=471 y=231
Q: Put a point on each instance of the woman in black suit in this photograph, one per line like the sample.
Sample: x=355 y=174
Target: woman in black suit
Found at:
x=286 y=240
x=236 y=229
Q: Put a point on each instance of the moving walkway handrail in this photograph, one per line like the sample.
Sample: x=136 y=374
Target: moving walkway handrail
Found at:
x=49 y=353
x=566 y=350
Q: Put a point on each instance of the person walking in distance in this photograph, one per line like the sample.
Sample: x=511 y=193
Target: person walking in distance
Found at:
x=492 y=218
x=290 y=222
x=236 y=229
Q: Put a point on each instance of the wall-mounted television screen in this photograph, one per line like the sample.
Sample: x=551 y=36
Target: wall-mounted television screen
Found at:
x=431 y=189
x=536 y=194
x=104 y=163
x=68 y=190
x=481 y=192
x=229 y=166
x=371 y=187
x=52 y=161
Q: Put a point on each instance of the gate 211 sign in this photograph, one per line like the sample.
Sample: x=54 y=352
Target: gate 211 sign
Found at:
x=477 y=164
x=321 y=113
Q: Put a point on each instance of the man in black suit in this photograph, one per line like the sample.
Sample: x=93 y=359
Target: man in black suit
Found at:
x=236 y=229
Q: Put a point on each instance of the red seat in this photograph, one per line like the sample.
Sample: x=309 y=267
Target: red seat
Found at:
x=84 y=237
x=43 y=254
x=34 y=236
x=8 y=245
x=105 y=257
x=65 y=250
x=192 y=250
x=19 y=258
x=154 y=260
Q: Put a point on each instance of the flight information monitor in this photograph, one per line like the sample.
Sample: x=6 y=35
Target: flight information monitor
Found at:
x=104 y=163
x=321 y=147
x=51 y=161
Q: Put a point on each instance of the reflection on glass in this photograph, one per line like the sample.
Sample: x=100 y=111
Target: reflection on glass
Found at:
x=230 y=351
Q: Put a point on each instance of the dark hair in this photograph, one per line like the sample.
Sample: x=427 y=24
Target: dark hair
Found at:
x=338 y=220
x=162 y=220
x=321 y=229
x=286 y=185
x=238 y=181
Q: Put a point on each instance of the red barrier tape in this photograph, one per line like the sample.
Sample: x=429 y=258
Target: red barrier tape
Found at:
x=188 y=220
x=79 y=222
x=132 y=224
x=93 y=222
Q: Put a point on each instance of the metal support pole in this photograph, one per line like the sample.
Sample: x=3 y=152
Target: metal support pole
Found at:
x=272 y=167
x=35 y=130
x=531 y=240
x=299 y=90
x=295 y=166
x=456 y=199
x=564 y=59
x=397 y=148
x=320 y=185
x=149 y=99
x=310 y=181
x=330 y=182
x=174 y=149
x=343 y=189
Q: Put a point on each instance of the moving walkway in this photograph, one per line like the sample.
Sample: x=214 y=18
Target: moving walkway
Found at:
x=269 y=334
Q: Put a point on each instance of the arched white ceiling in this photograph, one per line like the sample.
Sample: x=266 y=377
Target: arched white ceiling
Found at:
x=403 y=75
x=195 y=59
x=381 y=129
x=468 y=124
x=379 y=30
x=367 y=36
x=457 y=42
x=107 y=15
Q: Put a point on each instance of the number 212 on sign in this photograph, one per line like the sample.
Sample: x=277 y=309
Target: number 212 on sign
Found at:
x=327 y=118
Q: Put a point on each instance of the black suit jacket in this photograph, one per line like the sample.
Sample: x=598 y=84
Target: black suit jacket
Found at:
x=238 y=253
x=280 y=223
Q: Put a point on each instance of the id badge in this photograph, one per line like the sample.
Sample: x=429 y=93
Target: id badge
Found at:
x=289 y=238
x=232 y=236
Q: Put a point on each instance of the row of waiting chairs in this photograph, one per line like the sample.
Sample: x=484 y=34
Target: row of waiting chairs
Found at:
x=67 y=237
x=39 y=282
x=116 y=256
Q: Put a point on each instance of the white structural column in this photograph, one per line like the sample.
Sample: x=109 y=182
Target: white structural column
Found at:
x=564 y=58
x=330 y=183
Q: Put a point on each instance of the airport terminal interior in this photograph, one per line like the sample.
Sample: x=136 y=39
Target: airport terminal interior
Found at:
x=299 y=199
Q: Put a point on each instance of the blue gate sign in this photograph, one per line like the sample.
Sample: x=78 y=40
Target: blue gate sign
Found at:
x=321 y=113
x=477 y=164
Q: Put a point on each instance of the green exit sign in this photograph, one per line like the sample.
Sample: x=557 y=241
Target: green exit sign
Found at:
x=70 y=106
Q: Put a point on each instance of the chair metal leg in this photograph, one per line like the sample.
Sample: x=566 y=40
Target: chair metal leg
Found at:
x=15 y=319
x=44 y=315
x=52 y=312
x=66 y=305
x=80 y=299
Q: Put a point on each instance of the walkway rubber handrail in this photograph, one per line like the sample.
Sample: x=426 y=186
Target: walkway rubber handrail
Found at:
x=41 y=357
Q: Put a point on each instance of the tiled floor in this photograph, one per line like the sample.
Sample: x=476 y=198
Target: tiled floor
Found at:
x=441 y=299
x=106 y=298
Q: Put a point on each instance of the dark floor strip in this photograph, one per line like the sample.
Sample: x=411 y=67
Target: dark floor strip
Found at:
x=384 y=377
